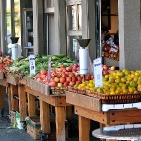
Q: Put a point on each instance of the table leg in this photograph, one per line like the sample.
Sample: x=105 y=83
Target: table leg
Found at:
x=84 y=129
x=2 y=91
x=45 y=117
x=9 y=98
x=14 y=102
x=60 y=123
x=69 y=112
x=22 y=102
x=31 y=105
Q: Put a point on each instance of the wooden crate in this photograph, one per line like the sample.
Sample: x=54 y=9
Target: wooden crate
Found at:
x=34 y=127
x=12 y=79
x=87 y=102
x=45 y=89
x=1 y=75
x=23 y=80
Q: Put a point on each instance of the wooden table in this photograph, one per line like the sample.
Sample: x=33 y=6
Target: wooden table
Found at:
x=3 y=85
x=16 y=87
x=59 y=102
x=89 y=108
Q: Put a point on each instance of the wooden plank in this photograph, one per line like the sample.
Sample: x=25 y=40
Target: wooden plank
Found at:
x=31 y=105
x=84 y=101
x=1 y=75
x=22 y=102
x=124 y=116
x=44 y=117
x=3 y=82
x=14 y=102
x=2 y=91
x=93 y=115
x=54 y=101
x=60 y=123
x=84 y=129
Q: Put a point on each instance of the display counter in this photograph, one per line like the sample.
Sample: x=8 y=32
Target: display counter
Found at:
x=88 y=108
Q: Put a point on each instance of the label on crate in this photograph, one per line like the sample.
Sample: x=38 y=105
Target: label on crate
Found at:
x=32 y=64
x=49 y=68
x=98 y=72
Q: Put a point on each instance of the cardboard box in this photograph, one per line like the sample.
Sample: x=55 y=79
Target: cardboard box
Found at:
x=12 y=116
x=20 y=124
x=33 y=127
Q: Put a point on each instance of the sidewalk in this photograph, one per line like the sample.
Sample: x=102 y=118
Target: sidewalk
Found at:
x=14 y=134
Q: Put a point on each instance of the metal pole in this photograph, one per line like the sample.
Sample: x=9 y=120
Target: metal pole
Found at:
x=98 y=28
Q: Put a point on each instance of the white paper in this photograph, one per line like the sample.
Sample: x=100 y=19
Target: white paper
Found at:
x=83 y=61
x=98 y=72
x=32 y=64
x=14 y=51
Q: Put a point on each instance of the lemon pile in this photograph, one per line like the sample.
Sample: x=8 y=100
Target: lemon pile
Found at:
x=117 y=82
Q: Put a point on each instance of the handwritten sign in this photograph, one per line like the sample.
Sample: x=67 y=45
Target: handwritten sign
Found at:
x=98 y=72
x=32 y=64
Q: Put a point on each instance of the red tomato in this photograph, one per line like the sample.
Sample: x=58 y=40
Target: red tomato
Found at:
x=44 y=72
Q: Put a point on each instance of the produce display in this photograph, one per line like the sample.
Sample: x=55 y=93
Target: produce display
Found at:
x=63 y=76
x=110 y=48
x=116 y=82
x=21 y=65
x=4 y=62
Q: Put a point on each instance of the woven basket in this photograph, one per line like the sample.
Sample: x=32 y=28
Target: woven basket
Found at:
x=118 y=98
x=58 y=90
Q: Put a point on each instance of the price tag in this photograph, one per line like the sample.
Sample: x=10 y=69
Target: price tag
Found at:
x=32 y=64
x=49 y=68
x=98 y=72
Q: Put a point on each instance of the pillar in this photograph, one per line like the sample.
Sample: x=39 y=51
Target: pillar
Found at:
x=129 y=34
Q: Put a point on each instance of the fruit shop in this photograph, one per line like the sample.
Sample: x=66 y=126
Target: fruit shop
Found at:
x=61 y=76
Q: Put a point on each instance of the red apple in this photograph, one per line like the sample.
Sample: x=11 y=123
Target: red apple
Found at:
x=68 y=79
x=71 y=74
x=88 y=77
x=74 y=68
x=79 y=78
x=105 y=72
x=64 y=75
x=62 y=79
x=59 y=85
x=105 y=67
x=43 y=72
x=69 y=69
x=56 y=79
x=92 y=77
x=71 y=84
x=53 y=84
x=74 y=79
x=78 y=82
x=66 y=84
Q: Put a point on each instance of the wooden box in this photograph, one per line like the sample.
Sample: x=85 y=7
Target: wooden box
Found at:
x=45 y=89
x=12 y=79
x=34 y=127
x=1 y=75
x=23 y=80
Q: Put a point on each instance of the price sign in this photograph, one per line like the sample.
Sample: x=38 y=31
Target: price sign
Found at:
x=98 y=72
x=32 y=64
x=49 y=68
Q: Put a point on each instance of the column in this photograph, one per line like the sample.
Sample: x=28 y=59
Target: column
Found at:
x=129 y=34
x=3 y=25
x=38 y=26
